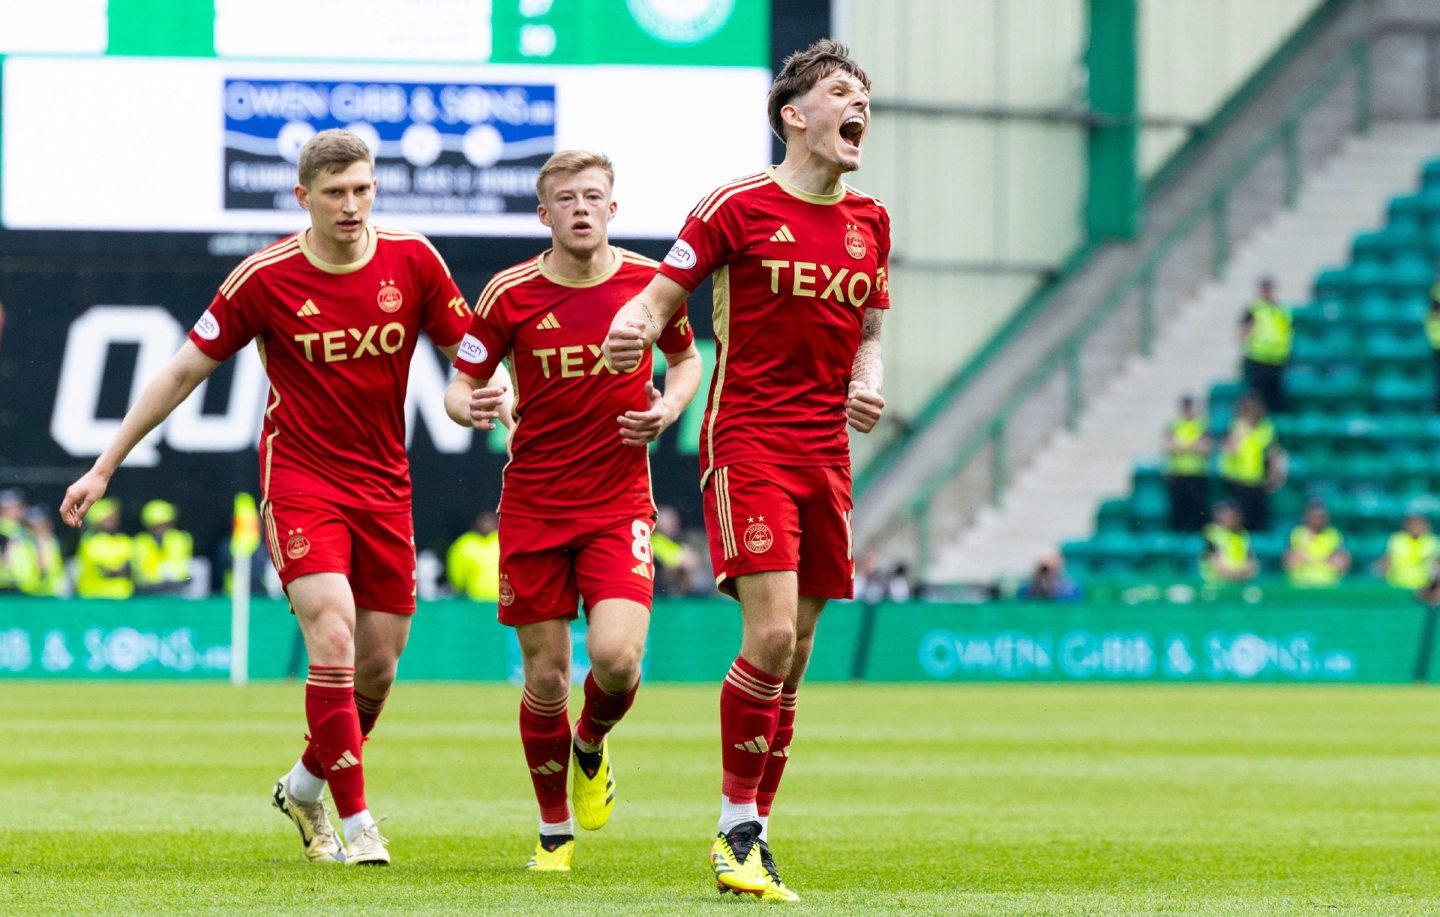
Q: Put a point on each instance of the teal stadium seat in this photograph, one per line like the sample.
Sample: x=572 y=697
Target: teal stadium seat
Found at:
x=1113 y=515
x=1430 y=176
x=1409 y=213
x=1078 y=556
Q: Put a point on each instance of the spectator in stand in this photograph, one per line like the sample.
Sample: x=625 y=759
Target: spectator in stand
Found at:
x=1410 y=554
x=43 y=572
x=12 y=538
x=1050 y=582
x=1266 y=332
x=163 y=553
x=1187 y=473
x=1252 y=464
x=105 y=555
x=674 y=560
x=1317 y=556
x=473 y=562
x=1228 y=557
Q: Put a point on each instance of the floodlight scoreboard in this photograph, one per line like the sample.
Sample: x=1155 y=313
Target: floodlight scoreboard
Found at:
x=188 y=115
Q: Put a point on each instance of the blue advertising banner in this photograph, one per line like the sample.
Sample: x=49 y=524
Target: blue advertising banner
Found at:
x=440 y=148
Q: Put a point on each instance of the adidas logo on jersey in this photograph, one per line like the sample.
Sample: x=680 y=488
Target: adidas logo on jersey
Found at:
x=641 y=569
x=783 y=234
x=308 y=309
x=346 y=760
x=549 y=322
x=757 y=745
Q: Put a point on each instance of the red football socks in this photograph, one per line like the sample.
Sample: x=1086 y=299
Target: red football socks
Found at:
x=602 y=711
x=545 y=733
x=369 y=709
x=335 y=734
x=749 y=717
x=779 y=754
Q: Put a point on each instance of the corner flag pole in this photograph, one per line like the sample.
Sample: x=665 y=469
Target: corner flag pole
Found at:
x=244 y=541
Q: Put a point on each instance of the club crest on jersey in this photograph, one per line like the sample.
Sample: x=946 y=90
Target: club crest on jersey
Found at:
x=297 y=545
x=854 y=242
x=389 y=298
x=758 y=537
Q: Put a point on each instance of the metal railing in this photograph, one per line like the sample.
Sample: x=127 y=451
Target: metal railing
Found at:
x=1064 y=361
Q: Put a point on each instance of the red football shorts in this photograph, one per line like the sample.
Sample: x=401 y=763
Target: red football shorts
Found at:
x=763 y=517
x=374 y=549
x=548 y=565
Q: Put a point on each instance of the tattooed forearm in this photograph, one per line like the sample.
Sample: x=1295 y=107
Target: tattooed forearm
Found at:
x=869 y=366
x=650 y=318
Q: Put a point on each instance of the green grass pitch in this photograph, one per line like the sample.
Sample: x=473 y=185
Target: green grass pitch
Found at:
x=1006 y=799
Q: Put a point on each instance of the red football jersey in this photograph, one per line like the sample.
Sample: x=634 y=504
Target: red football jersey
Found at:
x=336 y=341
x=566 y=457
x=794 y=274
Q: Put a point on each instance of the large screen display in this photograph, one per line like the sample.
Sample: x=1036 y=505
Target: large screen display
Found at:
x=461 y=101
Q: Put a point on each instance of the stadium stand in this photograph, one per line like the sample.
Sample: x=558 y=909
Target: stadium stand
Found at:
x=1360 y=429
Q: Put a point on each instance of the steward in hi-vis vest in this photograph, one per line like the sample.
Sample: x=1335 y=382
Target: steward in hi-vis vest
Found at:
x=1266 y=332
x=1317 y=555
x=1187 y=467
x=1228 y=557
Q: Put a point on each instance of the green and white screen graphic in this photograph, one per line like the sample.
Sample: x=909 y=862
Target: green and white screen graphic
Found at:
x=200 y=107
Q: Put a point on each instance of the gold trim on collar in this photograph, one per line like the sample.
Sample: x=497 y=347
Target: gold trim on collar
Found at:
x=615 y=261
x=350 y=268
x=825 y=199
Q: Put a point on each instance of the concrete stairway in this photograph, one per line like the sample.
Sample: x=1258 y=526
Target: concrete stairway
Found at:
x=1055 y=498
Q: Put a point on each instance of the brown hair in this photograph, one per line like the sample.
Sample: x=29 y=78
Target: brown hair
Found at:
x=568 y=162
x=333 y=150
x=802 y=70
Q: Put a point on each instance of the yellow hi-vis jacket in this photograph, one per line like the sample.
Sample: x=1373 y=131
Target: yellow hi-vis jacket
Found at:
x=1187 y=433
x=164 y=561
x=1233 y=548
x=1271 y=333
x=1315 y=550
x=104 y=566
x=1245 y=463
x=1411 y=560
x=473 y=566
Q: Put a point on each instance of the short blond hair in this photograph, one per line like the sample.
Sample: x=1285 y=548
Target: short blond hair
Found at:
x=333 y=150
x=569 y=162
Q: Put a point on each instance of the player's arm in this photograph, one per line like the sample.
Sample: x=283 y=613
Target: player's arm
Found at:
x=473 y=402
x=682 y=381
x=639 y=322
x=187 y=369
x=863 y=404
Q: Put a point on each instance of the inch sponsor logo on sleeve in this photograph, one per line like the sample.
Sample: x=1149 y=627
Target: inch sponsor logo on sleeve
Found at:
x=208 y=328
x=471 y=350
x=681 y=255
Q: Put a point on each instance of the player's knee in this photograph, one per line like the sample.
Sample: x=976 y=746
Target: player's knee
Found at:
x=617 y=667
x=331 y=644
x=775 y=643
x=375 y=673
x=548 y=677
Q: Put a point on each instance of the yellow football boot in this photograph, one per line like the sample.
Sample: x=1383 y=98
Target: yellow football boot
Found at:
x=592 y=788
x=776 y=890
x=552 y=853
x=735 y=859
